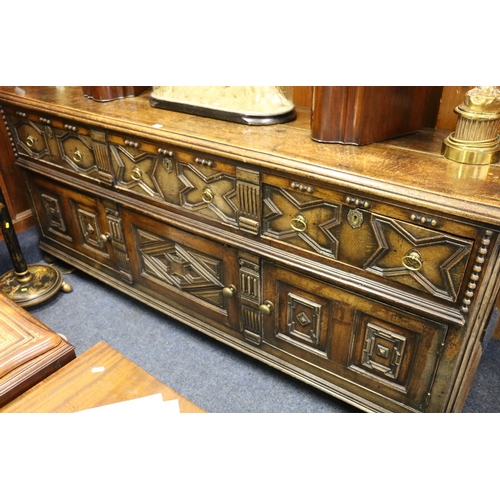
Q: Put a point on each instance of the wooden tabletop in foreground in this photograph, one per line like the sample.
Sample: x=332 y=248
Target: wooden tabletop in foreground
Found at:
x=98 y=377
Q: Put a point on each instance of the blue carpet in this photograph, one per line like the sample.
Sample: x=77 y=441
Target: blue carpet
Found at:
x=212 y=375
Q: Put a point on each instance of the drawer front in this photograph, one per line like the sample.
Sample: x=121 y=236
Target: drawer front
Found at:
x=175 y=265
x=31 y=135
x=351 y=341
x=202 y=186
x=85 y=152
x=334 y=226
x=54 y=142
x=82 y=224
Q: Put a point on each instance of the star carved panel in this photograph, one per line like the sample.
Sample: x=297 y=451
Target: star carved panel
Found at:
x=419 y=257
x=301 y=220
x=136 y=170
x=209 y=192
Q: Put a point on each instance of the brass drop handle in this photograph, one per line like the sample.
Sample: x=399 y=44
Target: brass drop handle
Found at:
x=136 y=174
x=266 y=308
x=207 y=195
x=229 y=291
x=104 y=238
x=30 y=141
x=413 y=260
x=77 y=156
x=299 y=223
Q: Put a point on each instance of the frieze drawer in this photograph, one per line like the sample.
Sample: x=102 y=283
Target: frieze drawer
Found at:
x=202 y=186
x=416 y=252
x=55 y=142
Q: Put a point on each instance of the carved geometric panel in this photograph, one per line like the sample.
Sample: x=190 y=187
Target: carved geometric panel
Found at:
x=153 y=175
x=301 y=220
x=419 y=257
x=209 y=192
x=90 y=231
x=77 y=152
x=304 y=317
x=53 y=215
x=179 y=266
x=389 y=352
x=31 y=139
x=383 y=351
x=250 y=297
x=135 y=170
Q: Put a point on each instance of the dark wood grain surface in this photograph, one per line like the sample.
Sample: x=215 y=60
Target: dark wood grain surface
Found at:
x=78 y=387
x=402 y=164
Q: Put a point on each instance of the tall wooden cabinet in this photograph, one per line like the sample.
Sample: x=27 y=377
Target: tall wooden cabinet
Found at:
x=369 y=272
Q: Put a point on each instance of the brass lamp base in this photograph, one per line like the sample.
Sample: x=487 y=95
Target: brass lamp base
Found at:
x=37 y=284
x=473 y=153
x=476 y=140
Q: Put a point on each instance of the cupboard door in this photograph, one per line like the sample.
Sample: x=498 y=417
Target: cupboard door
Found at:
x=174 y=265
x=364 y=346
x=80 y=224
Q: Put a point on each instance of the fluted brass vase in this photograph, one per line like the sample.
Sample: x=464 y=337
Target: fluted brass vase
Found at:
x=476 y=140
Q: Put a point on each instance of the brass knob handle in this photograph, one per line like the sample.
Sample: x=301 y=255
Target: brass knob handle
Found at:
x=77 y=156
x=266 y=308
x=136 y=174
x=207 y=195
x=229 y=291
x=104 y=238
x=413 y=260
x=30 y=141
x=299 y=223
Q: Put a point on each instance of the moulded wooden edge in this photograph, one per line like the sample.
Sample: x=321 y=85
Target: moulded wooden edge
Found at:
x=29 y=374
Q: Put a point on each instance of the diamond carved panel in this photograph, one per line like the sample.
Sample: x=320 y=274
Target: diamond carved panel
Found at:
x=31 y=139
x=89 y=228
x=304 y=324
x=303 y=319
x=77 y=152
x=179 y=266
x=53 y=215
x=383 y=351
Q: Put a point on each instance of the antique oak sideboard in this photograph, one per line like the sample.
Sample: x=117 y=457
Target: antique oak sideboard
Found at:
x=369 y=272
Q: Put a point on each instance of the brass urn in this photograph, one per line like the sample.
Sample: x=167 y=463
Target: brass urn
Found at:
x=476 y=140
